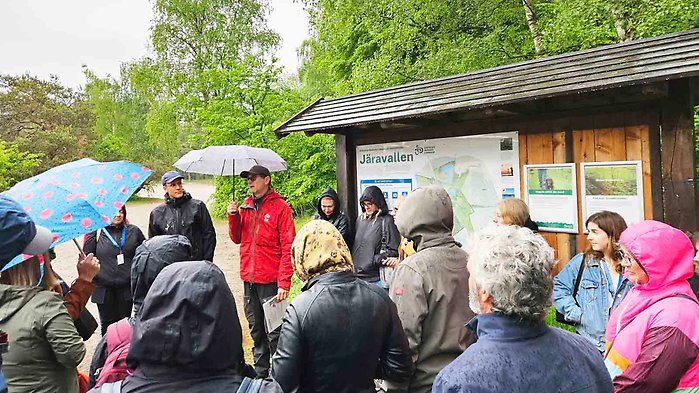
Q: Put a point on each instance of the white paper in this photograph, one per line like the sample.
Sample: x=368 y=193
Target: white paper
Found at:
x=120 y=259
x=274 y=312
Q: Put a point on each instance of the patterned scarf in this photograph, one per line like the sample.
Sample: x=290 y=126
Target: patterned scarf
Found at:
x=319 y=248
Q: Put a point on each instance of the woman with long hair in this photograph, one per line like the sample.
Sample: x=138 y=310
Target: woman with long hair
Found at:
x=45 y=349
x=601 y=287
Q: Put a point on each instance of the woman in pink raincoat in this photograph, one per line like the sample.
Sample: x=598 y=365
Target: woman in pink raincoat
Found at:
x=653 y=335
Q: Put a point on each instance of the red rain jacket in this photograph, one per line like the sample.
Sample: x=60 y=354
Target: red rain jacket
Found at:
x=265 y=236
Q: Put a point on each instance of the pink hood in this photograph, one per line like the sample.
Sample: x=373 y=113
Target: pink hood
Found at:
x=666 y=254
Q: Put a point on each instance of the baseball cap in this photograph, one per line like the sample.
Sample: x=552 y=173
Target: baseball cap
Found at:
x=169 y=177
x=18 y=233
x=255 y=170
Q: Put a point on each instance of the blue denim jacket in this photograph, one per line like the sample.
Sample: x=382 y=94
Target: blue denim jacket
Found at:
x=592 y=314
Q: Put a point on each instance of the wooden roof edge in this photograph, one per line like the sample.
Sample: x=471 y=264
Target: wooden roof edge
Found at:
x=281 y=134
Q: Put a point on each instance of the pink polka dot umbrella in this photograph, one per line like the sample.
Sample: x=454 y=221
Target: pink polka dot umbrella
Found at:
x=78 y=197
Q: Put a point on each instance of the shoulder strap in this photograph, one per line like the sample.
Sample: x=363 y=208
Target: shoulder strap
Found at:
x=97 y=235
x=579 y=278
x=384 y=232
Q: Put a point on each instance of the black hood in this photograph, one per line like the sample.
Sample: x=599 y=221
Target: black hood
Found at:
x=188 y=322
x=151 y=257
x=374 y=195
x=329 y=192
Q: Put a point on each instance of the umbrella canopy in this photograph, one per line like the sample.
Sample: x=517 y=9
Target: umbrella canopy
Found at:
x=229 y=160
x=78 y=197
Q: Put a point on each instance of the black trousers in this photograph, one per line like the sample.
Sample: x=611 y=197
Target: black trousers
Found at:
x=265 y=343
x=114 y=307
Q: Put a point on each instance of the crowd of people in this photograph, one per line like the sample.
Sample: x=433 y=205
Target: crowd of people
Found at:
x=392 y=303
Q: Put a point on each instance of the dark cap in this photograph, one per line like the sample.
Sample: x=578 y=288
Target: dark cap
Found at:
x=18 y=233
x=255 y=170
x=169 y=177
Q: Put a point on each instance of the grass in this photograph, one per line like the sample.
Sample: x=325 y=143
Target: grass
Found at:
x=551 y=321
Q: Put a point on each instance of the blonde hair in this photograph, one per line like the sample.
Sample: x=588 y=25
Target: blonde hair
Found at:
x=28 y=273
x=513 y=211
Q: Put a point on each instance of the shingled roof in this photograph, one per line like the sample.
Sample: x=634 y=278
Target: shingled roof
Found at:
x=649 y=60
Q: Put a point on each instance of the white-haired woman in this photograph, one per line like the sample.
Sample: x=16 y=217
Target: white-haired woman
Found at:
x=510 y=289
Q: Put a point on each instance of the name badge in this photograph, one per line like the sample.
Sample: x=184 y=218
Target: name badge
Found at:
x=120 y=259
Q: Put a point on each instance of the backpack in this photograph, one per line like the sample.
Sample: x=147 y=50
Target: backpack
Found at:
x=118 y=344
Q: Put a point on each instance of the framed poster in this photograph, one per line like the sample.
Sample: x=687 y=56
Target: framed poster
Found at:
x=551 y=194
x=477 y=172
x=615 y=186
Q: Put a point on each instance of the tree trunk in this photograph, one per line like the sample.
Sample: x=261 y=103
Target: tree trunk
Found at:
x=622 y=21
x=533 y=28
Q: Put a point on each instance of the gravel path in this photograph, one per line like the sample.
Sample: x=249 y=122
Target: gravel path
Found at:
x=226 y=257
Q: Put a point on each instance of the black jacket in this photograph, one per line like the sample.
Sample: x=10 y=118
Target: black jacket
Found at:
x=189 y=217
x=151 y=257
x=111 y=274
x=338 y=218
x=366 y=248
x=188 y=337
x=339 y=335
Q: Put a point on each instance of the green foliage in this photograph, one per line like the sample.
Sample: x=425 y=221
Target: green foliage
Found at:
x=551 y=321
x=360 y=45
x=15 y=165
x=45 y=119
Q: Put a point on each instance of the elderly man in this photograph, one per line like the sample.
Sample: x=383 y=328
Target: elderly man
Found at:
x=510 y=290
x=428 y=287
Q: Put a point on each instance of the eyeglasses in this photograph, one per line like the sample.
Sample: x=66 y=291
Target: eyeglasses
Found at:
x=623 y=255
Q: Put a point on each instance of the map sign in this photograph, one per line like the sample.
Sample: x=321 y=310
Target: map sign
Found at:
x=477 y=172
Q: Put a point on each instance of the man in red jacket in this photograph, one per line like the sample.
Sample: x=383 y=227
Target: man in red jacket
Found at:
x=264 y=228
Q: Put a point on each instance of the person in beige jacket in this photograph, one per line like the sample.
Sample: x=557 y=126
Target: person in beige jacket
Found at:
x=430 y=288
x=44 y=347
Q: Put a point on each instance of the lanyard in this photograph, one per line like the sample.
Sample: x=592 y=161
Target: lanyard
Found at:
x=111 y=239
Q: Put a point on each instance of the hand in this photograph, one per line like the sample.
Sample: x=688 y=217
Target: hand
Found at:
x=88 y=267
x=391 y=262
x=282 y=294
x=232 y=207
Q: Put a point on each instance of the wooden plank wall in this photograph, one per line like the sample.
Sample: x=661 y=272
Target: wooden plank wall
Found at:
x=563 y=141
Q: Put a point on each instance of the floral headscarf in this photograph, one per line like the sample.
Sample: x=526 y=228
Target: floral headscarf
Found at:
x=319 y=248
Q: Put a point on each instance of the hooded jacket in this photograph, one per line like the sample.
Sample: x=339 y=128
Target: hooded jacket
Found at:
x=653 y=335
x=189 y=217
x=44 y=347
x=265 y=234
x=430 y=288
x=188 y=336
x=338 y=218
x=152 y=256
x=366 y=248
x=341 y=332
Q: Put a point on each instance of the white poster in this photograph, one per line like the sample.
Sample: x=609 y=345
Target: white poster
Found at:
x=552 y=196
x=477 y=171
x=615 y=186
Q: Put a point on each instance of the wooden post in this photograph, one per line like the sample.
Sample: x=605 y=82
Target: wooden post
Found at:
x=345 y=150
x=677 y=156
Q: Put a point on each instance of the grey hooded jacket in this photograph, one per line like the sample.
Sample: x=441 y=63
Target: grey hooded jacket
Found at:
x=430 y=288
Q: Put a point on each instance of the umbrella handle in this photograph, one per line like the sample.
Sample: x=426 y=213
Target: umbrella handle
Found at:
x=82 y=253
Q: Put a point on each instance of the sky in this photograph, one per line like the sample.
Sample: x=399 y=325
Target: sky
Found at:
x=49 y=37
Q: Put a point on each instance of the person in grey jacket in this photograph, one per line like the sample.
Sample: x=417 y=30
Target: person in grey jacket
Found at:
x=376 y=237
x=429 y=287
